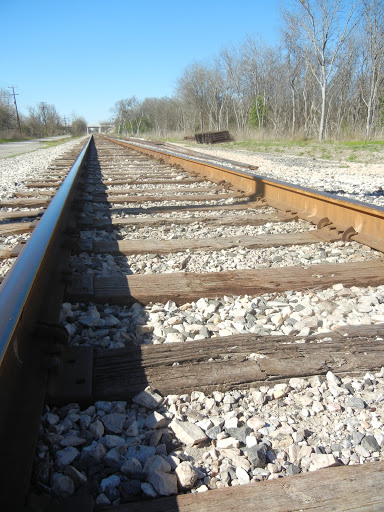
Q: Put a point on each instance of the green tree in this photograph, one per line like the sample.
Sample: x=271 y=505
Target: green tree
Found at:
x=259 y=113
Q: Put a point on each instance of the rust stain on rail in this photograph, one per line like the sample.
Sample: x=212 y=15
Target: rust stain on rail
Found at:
x=344 y=219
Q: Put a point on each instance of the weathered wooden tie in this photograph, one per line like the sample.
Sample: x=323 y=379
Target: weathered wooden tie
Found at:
x=243 y=205
x=144 y=246
x=20 y=214
x=255 y=219
x=44 y=193
x=224 y=363
x=24 y=203
x=339 y=489
x=159 y=191
x=182 y=287
x=15 y=228
x=144 y=180
x=44 y=184
x=161 y=198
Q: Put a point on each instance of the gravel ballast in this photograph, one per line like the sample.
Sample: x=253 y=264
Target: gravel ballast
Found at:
x=218 y=261
x=159 y=446
x=289 y=313
x=360 y=181
x=15 y=171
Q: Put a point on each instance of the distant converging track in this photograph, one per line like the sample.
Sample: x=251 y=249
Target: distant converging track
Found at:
x=160 y=320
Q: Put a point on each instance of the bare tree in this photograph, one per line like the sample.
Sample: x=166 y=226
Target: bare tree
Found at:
x=43 y=120
x=294 y=64
x=216 y=97
x=372 y=42
x=328 y=80
x=234 y=66
x=255 y=65
x=192 y=88
x=342 y=90
x=322 y=27
x=7 y=114
x=78 y=126
x=162 y=115
x=128 y=115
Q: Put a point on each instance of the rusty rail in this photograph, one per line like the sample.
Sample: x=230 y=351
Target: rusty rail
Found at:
x=340 y=218
x=30 y=299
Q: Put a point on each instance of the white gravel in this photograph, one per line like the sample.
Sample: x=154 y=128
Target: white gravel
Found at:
x=160 y=446
x=179 y=202
x=164 y=187
x=12 y=240
x=199 y=230
x=185 y=214
x=363 y=182
x=191 y=443
x=289 y=313
x=30 y=166
x=14 y=172
x=231 y=259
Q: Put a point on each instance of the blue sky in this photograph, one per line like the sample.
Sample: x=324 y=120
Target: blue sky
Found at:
x=82 y=56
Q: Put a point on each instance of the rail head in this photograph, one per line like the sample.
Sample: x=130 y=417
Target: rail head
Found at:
x=16 y=287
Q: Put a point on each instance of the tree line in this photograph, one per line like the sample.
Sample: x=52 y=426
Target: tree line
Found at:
x=324 y=79
x=41 y=121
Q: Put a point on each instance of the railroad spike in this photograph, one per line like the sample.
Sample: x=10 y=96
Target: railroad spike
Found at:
x=323 y=223
x=53 y=333
x=349 y=233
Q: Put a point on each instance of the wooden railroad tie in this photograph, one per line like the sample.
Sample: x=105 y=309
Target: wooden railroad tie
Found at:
x=183 y=287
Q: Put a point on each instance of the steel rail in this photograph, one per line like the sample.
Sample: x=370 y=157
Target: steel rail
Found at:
x=338 y=217
x=30 y=299
x=16 y=287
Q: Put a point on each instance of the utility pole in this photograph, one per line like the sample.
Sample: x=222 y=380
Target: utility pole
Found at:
x=17 y=113
x=44 y=117
x=65 y=124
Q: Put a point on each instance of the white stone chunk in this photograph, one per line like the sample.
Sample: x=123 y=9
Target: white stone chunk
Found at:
x=242 y=475
x=228 y=442
x=164 y=483
x=186 y=475
x=187 y=432
x=320 y=461
x=155 y=420
x=148 y=398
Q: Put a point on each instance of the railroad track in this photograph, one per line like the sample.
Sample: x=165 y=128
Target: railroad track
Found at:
x=177 y=326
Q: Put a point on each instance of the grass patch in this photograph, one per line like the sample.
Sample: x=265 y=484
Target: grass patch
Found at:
x=58 y=142
x=47 y=144
x=173 y=139
x=4 y=141
x=364 y=145
x=44 y=145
